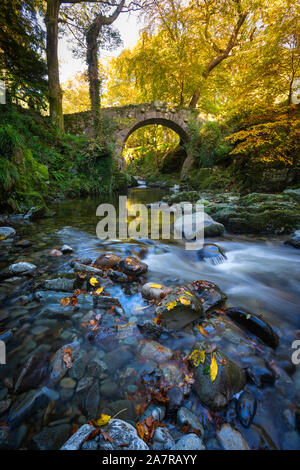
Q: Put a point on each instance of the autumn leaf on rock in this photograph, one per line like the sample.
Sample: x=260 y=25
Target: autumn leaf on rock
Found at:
x=184 y=301
x=93 y=281
x=197 y=357
x=103 y=420
x=156 y=286
x=202 y=330
x=213 y=368
x=107 y=437
x=100 y=290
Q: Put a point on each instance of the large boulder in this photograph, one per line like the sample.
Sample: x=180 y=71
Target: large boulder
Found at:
x=179 y=308
x=230 y=378
x=189 y=229
x=78 y=438
x=294 y=240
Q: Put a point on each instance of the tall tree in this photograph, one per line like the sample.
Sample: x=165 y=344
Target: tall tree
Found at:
x=22 y=66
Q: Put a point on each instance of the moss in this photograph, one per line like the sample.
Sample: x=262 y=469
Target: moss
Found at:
x=191 y=196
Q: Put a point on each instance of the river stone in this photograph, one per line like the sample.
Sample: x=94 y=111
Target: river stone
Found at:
x=57 y=367
x=59 y=284
x=51 y=438
x=246 y=408
x=230 y=379
x=121 y=433
x=7 y=232
x=208 y=293
x=162 y=439
x=107 y=260
x=179 y=308
x=231 y=439
x=293 y=241
x=176 y=396
x=211 y=253
x=149 y=291
x=255 y=324
x=155 y=351
x=189 y=442
x=67 y=382
x=26 y=404
x=32 y=372
x=149 y=329
x=66 y=249
x=84 y=384
x=4 y=405
x=132 y=266
x=117 y=358
x=157 y=411
x=186 y=417
x=22 y=268
x=77 y=439
x=186 y=226
x=92 y=401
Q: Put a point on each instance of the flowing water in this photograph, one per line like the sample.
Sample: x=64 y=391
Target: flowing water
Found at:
x=260 y=274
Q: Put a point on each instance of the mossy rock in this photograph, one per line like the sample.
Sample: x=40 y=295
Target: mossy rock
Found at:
x=191 y=196
x=270 y=221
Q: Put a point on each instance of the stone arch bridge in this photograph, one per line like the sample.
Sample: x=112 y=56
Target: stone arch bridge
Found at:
x=127 y=119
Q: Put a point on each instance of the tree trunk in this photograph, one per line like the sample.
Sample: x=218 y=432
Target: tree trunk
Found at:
x=55 y=94
x=93 y=75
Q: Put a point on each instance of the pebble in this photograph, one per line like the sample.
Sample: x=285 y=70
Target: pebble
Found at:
x=67 y=382
x=231 y=439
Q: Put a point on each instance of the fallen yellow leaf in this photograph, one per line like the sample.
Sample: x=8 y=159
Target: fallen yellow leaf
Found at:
x=197 y=357
x=93 y=281
x=213 y=368
x=103 y=420
x=98 y=291
x=156 y=286
x=184 y=300
x=171 y=305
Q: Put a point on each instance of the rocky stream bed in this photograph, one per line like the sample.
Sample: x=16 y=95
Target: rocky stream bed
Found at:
x=139 y=344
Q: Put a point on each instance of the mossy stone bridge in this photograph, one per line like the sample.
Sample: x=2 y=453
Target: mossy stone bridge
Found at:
x=127 y=119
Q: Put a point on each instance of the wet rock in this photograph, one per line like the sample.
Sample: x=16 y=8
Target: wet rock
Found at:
x=55 y=253
x=176 y=396
x=59 y=284
x=246 y=408
x=106 y=338
x=78 y=438
x=92 y=401
x=162 y=439
x=154 y=291
x=109 y=388
x=293 y=241
x=117 y=276
x=186 y=226
x=207 y=293
x=67 y=382
x=231 y=439
x=211 y=253
x=149 y=329
x=51 y=438
x=122 y=433
x=80 y=267
x=104 y=301
x=128 y=413
x=117 y=358
x=258 y=373
x=255 y=324
x=26 y=404
x=23 y=244
x=189 y=442
x=90 y=445
x=84 y=384
x=230 y=379
x=107 y=260
x=32 y=372
x=58 y=367
x=132 y=266
x=66 y=249
x=186 y=417
x=22 y=268
x=4 y=437
x=171 y=372
x=155 y=351
x=158 y=412
x=78 y=367
x=39 y=330
x=4 y=405
x=179 y=308
x=7 y=232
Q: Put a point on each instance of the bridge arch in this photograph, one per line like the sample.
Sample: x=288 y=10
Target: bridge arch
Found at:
x=128 y=119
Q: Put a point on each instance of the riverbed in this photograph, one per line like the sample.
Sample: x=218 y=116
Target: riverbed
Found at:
x=259 y=274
